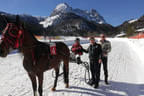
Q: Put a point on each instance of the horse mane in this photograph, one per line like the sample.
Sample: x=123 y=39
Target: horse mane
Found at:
x=31 y=34
x=41 y=48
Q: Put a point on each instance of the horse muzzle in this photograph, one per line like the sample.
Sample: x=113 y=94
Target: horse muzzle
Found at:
x=3 y=53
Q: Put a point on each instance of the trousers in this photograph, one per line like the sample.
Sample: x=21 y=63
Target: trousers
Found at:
x=95 y=71
x=104 y=63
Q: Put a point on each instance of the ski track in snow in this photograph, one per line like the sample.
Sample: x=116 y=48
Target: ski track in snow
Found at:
x=124 y=75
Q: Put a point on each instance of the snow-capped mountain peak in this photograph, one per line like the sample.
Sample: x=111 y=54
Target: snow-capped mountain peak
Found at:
x=94 y=12
x=63 y=8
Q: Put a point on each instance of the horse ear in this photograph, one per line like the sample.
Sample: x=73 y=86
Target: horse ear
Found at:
x=23 y=25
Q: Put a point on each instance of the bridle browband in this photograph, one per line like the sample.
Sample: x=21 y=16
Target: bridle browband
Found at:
x=14 y=40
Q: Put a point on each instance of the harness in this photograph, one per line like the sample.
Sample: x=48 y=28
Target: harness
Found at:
x=15 y=40
x=53 y=48
x=10 y=41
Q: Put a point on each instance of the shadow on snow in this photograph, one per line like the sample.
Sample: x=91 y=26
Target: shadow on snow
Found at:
x=114 y=89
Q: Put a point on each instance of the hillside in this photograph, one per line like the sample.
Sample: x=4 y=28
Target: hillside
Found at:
x=132 y=27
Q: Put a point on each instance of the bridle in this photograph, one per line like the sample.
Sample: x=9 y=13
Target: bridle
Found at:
x=12 y=39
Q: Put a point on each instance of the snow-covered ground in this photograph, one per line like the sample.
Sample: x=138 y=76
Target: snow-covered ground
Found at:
x=142 y=29
x=125 y=67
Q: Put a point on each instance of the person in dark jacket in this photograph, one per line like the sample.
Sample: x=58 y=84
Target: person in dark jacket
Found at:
x=77 y=49
x=95 y=52
x=106 y=48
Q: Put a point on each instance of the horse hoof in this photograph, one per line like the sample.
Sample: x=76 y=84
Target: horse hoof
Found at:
x=67 y=86
x=53 y=89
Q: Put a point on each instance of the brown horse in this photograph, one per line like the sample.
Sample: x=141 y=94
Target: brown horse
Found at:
x=37 y=55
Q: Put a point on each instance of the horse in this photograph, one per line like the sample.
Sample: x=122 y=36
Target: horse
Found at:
x=37 y=55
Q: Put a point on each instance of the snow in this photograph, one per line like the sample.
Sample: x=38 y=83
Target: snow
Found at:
x=101 y=22
x=132 y=21
x=138 y=46
x=50 y=21
x=125 y=65
x=142 y=29
x=91 y=16
x=121 y=34
x=63 y=7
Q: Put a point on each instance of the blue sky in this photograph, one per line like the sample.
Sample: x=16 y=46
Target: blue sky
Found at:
x=114 y=12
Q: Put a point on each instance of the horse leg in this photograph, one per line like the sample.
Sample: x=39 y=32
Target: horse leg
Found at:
x=55 y=82
x=66 y=72
x=40 y=80
x=34 y=83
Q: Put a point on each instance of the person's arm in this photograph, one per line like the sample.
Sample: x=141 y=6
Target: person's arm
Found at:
x=84 y=50
x=100 y=57
x=76 y=49
x=73 y=49
x=87 y=50
x=109 y=47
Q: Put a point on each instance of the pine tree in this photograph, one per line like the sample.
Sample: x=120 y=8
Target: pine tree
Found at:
x=130 y=30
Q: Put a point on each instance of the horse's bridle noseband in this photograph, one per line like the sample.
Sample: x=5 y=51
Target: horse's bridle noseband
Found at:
x=16 y=40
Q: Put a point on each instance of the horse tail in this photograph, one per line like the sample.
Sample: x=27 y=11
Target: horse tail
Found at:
x=66 y=71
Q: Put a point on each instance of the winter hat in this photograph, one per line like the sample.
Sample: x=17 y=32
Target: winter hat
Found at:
x=92 y=38
x=77 y=39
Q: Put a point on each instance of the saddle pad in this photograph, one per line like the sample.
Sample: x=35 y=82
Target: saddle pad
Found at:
x=53 y=48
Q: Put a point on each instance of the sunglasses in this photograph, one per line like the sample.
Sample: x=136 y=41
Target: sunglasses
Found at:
x=102 y=36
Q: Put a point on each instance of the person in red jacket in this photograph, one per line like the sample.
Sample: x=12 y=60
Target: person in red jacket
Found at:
x=77 y=49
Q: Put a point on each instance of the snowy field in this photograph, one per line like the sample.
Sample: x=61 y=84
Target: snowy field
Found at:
x=125 y=65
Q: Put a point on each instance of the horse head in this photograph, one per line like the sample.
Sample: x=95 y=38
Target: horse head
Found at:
x=11 y=37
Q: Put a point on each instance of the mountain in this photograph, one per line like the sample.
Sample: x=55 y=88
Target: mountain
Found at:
x=31 y=22
x=132 y=27
x=64 y=20
x=74 y=25
x=25 y=17
x=61 y=9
